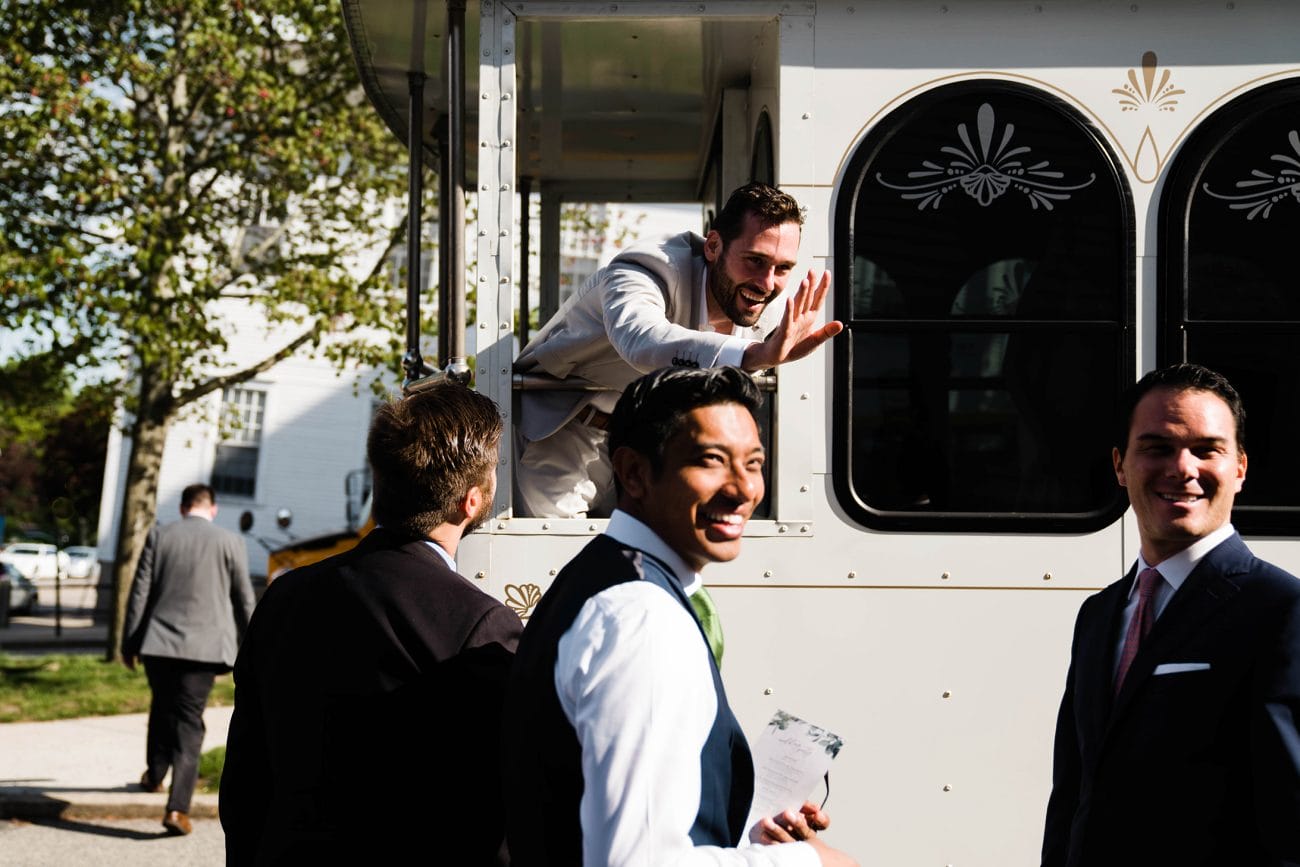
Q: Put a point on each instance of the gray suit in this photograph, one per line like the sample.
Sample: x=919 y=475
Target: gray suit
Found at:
x=189 y=605
x=639 y=313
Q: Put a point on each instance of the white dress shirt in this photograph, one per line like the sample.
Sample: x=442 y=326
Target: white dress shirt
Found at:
x=1174 y=571
x=634 y=680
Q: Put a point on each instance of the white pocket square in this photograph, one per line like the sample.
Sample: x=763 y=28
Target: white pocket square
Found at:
x=1180 y=667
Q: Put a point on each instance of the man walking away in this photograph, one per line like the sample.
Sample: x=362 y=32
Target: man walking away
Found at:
x=190 y=602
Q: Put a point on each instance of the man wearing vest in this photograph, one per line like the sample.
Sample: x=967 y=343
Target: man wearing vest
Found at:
x=620 y=745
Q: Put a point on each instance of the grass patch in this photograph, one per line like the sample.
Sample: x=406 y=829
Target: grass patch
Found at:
x=66 y=686
x=211 y=764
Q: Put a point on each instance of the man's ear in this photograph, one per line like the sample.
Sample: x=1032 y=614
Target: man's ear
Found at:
x=633 y=471
x=712 y=246
x=1118 y=461
x=472 y=503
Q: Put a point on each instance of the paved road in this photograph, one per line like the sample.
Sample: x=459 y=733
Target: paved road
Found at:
x=108 y=843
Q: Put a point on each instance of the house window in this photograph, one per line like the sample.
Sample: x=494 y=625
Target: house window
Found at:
x=234 y=468
x=984 y=243
x=1228 y=291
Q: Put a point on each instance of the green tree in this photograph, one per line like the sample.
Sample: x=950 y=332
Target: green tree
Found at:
x=164 y=157
x=52 y=449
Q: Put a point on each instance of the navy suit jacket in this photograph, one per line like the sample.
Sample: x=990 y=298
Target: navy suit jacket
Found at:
x=1197 y=760
x=368 y=696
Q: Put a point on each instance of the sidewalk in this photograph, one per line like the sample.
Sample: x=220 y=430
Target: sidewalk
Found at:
x=88 y=768
x=81 y=768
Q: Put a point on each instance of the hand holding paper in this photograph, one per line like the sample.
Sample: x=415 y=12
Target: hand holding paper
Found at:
x=790 y=757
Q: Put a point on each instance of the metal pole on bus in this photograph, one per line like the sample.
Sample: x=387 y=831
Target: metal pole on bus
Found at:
x=413 y=361
x=452 y=292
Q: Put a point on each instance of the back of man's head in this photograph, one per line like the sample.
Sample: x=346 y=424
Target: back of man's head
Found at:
x=197 y=497
x=426 y=451
x=770 y=207
x=653 y=409
x=1179 y=378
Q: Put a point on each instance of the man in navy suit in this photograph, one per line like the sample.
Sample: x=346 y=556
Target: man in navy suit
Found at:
x=632 y=755
x=1178 y=740
x=368 y=690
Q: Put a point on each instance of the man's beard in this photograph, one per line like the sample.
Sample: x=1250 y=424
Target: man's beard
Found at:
x=725 y=291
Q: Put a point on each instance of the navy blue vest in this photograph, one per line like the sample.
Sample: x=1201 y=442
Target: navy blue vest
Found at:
x=542 y=765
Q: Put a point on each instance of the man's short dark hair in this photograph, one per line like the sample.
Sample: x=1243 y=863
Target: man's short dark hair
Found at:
x=771 y=206
x=197 y=495
x=653 y=409
x=1179 y=378
x=426 y=451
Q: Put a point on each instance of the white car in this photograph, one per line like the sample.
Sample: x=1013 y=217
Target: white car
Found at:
x=83 y=563
x=36 y=560
x=22 y=592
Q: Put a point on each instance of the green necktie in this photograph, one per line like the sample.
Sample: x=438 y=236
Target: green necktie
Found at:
x=702 y=602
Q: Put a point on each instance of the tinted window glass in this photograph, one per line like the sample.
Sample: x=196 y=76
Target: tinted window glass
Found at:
x=987 y=242
x=1230 y=294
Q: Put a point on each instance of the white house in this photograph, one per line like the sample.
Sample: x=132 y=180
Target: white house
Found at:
x=289 y=438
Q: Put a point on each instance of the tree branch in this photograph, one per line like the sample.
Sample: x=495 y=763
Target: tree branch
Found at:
x=220 y=382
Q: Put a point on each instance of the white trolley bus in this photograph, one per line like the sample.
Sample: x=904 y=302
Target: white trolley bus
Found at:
x=1024 y=205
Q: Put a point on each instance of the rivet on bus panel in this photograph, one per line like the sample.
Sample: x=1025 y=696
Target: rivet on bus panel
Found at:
x=1047 y=576
x=480 y=575
x=552 y=572
x=947 y=788
x=947 y=693
x=853 y=575
x=767 y=573
x=547 y=527
x=767 y=691
x=945 y=576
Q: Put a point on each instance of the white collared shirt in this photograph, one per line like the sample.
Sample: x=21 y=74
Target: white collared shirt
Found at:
x=634 y=680
x=442 y=552
x=1174 y=571
x=733 y=352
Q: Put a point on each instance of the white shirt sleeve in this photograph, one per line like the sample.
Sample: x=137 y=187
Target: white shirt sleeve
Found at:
x=633 y=678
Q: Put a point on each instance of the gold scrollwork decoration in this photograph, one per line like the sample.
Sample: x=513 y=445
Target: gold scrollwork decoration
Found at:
x=1134 y=94
x=523 y=598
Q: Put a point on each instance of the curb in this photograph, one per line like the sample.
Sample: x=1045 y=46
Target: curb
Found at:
x=35 y=804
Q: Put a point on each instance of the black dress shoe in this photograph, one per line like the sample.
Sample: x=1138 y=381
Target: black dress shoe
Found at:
x=178 y=823
x=149 y=786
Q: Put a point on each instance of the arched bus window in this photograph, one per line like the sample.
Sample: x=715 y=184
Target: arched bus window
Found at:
x=1230 y=282
x=985 y=235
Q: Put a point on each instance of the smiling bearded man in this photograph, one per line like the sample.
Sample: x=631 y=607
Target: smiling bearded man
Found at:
x=681 y=301
x=1177 y=741
x=632 y=754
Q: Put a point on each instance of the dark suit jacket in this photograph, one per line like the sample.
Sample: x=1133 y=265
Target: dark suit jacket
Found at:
x=191 y=598
x=1193 y=767
x=367 y=715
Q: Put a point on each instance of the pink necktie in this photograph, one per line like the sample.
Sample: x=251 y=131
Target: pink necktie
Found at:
x=1140 y=625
